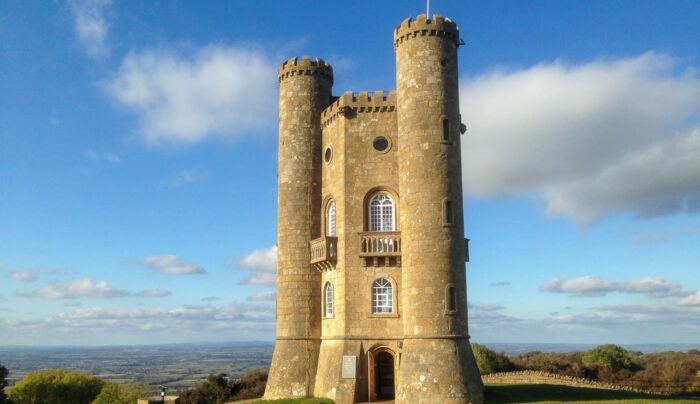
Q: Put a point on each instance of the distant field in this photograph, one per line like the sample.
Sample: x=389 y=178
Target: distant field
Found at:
x=175 y=366
x=546 y=394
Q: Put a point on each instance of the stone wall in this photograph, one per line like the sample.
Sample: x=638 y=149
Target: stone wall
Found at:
x=538 y=377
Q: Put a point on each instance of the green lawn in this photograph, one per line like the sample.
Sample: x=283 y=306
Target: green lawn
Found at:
x=546 y=393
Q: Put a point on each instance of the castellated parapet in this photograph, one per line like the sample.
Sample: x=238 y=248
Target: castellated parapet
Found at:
x=372 y=300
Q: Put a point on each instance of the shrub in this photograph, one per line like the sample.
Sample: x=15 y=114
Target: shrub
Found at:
x=3 y=383
x=219 y=389
x=114 y=393
x=610 y=357
x=490 y=361
x=56 y=386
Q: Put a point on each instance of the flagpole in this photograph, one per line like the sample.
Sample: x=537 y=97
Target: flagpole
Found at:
x=427 y=11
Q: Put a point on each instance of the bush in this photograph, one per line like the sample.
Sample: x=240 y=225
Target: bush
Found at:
x=219 y=389
x=113 y=393
x=490 y=361
x=3 y=383
x=56 y=386
x=610 y=357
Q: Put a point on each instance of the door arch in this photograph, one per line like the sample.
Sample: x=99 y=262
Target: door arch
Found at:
x=382 y=374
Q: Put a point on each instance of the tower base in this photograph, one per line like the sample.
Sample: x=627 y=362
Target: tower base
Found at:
x=438 y=371
x=293 y=370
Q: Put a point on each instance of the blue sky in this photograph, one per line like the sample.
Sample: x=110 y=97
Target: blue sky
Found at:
x=138 y=164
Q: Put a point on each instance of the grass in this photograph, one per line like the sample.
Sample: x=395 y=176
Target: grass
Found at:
x=546 y=394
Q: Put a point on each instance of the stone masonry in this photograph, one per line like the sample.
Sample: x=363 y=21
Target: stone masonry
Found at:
x=372 y=300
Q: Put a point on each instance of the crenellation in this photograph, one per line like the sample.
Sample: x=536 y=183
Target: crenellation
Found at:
x=305 y=66
x=421 y=26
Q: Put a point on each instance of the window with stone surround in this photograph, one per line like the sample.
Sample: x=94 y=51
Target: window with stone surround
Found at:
x=381 y=212
x=330 y=219
x=451 y=299
x=382 y=297
x=328 y=297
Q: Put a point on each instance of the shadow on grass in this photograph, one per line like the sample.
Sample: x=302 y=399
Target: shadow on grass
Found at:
x=533 y=393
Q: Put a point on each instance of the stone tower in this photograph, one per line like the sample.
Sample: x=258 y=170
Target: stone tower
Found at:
x=372 y=300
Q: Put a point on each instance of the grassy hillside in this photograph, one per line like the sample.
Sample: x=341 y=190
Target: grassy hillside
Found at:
x=545 y=394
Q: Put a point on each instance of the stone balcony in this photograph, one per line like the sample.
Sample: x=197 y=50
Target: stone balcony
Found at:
x=324 y=253
x=381 y=248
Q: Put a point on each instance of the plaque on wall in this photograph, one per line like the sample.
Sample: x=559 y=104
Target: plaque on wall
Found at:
x=349 y=366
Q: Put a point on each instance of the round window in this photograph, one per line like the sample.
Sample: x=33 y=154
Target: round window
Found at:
x=327 y=155
x=380 y=144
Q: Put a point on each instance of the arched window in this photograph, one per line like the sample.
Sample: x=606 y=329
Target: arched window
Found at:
x=381 y=212
x=328 y=296
x=330 y=219
x=382 y=296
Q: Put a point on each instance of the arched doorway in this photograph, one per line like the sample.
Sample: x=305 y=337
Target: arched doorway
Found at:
x=381 y=375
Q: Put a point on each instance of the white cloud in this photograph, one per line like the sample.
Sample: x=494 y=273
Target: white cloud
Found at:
x=154 y=293
x=500 y=284
x=262 y=297
x=263 y=265
x=585 y=285
x=656 y=287
x=24 y=276
x=592 y=286
x=691 y=300
x=210 y=299
x=107 y=157
x=593 y=139
x=189 y=176
x=172 y=265
x=84 y=287
x=217 y=91
x=91 y=26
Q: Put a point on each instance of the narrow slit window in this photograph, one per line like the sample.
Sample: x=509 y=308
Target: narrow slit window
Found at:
x=446 y=130
x=449 y=214
x=451 y=299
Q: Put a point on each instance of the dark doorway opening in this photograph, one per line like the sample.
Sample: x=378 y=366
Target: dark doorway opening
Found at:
x=383 y=375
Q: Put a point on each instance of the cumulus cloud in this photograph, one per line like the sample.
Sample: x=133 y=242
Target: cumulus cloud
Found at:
x=262 y=263
x=691 y=300
x=84 y=287
x=24 y=276
x=91 y=26
x=106 y=157
x=262 y=297
x=154 y=293
x=172 y=265
x=593 y=139
x=182 y=98
x=625 y=315
x=592 y=286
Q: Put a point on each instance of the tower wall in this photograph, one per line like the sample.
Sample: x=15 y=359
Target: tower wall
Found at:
x=305 y=90
x=437 y=364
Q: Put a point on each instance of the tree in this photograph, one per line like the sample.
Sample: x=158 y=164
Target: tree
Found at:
x=56 y=386
x=490 y=361
x=3 y=383
x=611 y=357
x=114 y=393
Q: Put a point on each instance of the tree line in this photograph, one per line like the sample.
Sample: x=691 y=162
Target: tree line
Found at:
x=673 y=372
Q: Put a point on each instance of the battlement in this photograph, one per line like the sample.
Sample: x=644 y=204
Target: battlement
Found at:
x=351 y=103
x=305 y=66
x=422 y=26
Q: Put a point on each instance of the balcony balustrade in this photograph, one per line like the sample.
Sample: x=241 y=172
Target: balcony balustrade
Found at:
x=324 y=253
x=381 y=248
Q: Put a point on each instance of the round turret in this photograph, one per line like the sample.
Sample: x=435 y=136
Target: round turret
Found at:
x=305 y=90
x=436 y=346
